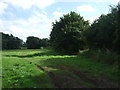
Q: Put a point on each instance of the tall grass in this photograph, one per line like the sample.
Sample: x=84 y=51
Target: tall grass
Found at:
x=107 y=57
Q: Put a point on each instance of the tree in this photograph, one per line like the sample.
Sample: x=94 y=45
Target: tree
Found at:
x=101 y=33
x=5 y=38
x=116 y=12
x=66 y=33
x=104 y=33
x=33 y=42
x=44 y=42
x=11 y=42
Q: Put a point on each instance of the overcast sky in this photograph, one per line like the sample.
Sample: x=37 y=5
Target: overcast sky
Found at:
x=24 y=18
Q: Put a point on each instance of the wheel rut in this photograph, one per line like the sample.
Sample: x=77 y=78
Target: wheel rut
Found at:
x=64 y=81
x=99 y=81
x=67 y=81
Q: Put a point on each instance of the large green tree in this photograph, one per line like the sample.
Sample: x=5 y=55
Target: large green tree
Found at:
x=101 y=32
x=66 y=33
x=104 y=32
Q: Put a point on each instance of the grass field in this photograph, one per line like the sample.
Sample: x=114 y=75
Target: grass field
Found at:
x=48 y=69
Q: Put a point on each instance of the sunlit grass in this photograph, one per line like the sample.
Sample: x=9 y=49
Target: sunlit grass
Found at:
x=20 y=73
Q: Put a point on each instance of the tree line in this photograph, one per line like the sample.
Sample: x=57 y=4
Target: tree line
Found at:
x=12 y=42
x=72 y=33
x=104 y=33
x=36 y=43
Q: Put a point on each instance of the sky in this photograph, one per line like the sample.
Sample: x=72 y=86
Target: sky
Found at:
x=24 y=18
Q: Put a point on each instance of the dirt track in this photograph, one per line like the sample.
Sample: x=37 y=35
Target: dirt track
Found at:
x=69 y=81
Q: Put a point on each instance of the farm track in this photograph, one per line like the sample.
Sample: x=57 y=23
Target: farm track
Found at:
x=69 y=81
x=99 y=82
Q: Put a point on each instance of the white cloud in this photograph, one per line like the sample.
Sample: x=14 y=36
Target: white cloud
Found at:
x=39 y=18
x=91 y=19
x=23 y=32
x=57 y=14
x=111 y=1
x=38 y=25
x=1 y=25
x=59 y=8
x=3 y=6
x=86 y=8
x=27 y=4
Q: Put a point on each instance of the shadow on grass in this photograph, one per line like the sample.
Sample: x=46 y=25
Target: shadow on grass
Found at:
x=26 y=56
x=87 y=72
x=46 y=53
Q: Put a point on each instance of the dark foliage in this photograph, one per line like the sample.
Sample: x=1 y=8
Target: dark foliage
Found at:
x=66 y=33
x=116 y=12
x=104 y=33
x=44 y=42
x=11 y=42
x=35 y=43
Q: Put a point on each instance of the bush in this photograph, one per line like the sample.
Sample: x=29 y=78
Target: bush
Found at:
x=107 y=57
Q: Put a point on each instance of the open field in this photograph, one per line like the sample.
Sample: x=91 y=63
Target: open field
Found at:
x=48 y=69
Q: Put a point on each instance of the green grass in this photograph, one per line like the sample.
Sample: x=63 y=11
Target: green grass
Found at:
x=20 y=71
